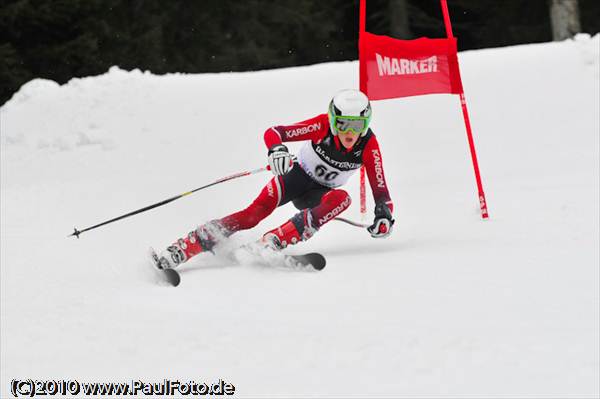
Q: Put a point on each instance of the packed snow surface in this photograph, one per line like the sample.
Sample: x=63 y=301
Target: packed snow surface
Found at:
x=449 y=305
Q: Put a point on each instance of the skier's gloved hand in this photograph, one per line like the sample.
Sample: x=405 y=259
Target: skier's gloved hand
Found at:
x=280 y=160
x=382 y=225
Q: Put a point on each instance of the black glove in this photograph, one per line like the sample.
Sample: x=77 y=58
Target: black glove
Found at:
x=280 y=160
x=382 y=225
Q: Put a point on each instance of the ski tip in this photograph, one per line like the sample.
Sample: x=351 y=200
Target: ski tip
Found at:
x=321 y=264
x=316 y=260
x=173 y=277
x=319 y=267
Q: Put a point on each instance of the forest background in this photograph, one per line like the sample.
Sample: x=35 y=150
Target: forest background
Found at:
x=63 y=39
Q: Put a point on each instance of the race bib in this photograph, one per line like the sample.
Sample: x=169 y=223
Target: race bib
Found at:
x=320 y=170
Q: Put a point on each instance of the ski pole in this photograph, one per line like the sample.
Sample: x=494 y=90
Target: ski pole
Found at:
x=351 y=222
x=76 y=233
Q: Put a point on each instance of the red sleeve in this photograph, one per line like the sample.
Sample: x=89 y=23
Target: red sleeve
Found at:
x=373 y=162
x=311 y=129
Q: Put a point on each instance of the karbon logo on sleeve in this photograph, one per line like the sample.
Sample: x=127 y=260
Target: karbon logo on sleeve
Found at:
x=378 y=169
x=303 y=130
x=387 y=66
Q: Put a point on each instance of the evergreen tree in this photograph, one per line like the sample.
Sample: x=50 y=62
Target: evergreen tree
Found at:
x=62 y=39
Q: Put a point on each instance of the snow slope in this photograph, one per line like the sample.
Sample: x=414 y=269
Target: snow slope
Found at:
x=449 y=305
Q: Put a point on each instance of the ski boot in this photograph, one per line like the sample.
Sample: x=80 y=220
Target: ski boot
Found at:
x=298 y=228
x=203 y=239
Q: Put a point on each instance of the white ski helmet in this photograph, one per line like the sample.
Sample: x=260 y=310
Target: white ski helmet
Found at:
x=349 y=110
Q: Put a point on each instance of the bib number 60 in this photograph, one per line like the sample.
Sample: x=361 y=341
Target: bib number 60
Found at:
x=322 y=172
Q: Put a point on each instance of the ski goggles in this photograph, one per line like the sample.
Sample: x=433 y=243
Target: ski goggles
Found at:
x=354 y=124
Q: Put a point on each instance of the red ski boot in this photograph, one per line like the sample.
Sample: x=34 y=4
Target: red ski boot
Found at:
x=200 y=240
x=299 y=228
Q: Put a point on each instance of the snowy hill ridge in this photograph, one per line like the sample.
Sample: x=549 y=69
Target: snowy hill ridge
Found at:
x=449 y=305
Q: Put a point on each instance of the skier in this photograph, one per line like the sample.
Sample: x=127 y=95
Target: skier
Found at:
x=337 y=145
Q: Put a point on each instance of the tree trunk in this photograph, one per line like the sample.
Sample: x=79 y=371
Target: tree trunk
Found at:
x=399 y=25
x=564 y=17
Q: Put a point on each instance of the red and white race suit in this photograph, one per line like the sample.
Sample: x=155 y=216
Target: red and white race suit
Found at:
x=329 y=163
x=312 y=184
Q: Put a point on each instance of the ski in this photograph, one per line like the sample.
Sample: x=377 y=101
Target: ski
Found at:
x=312 y=261
x=171 y=275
